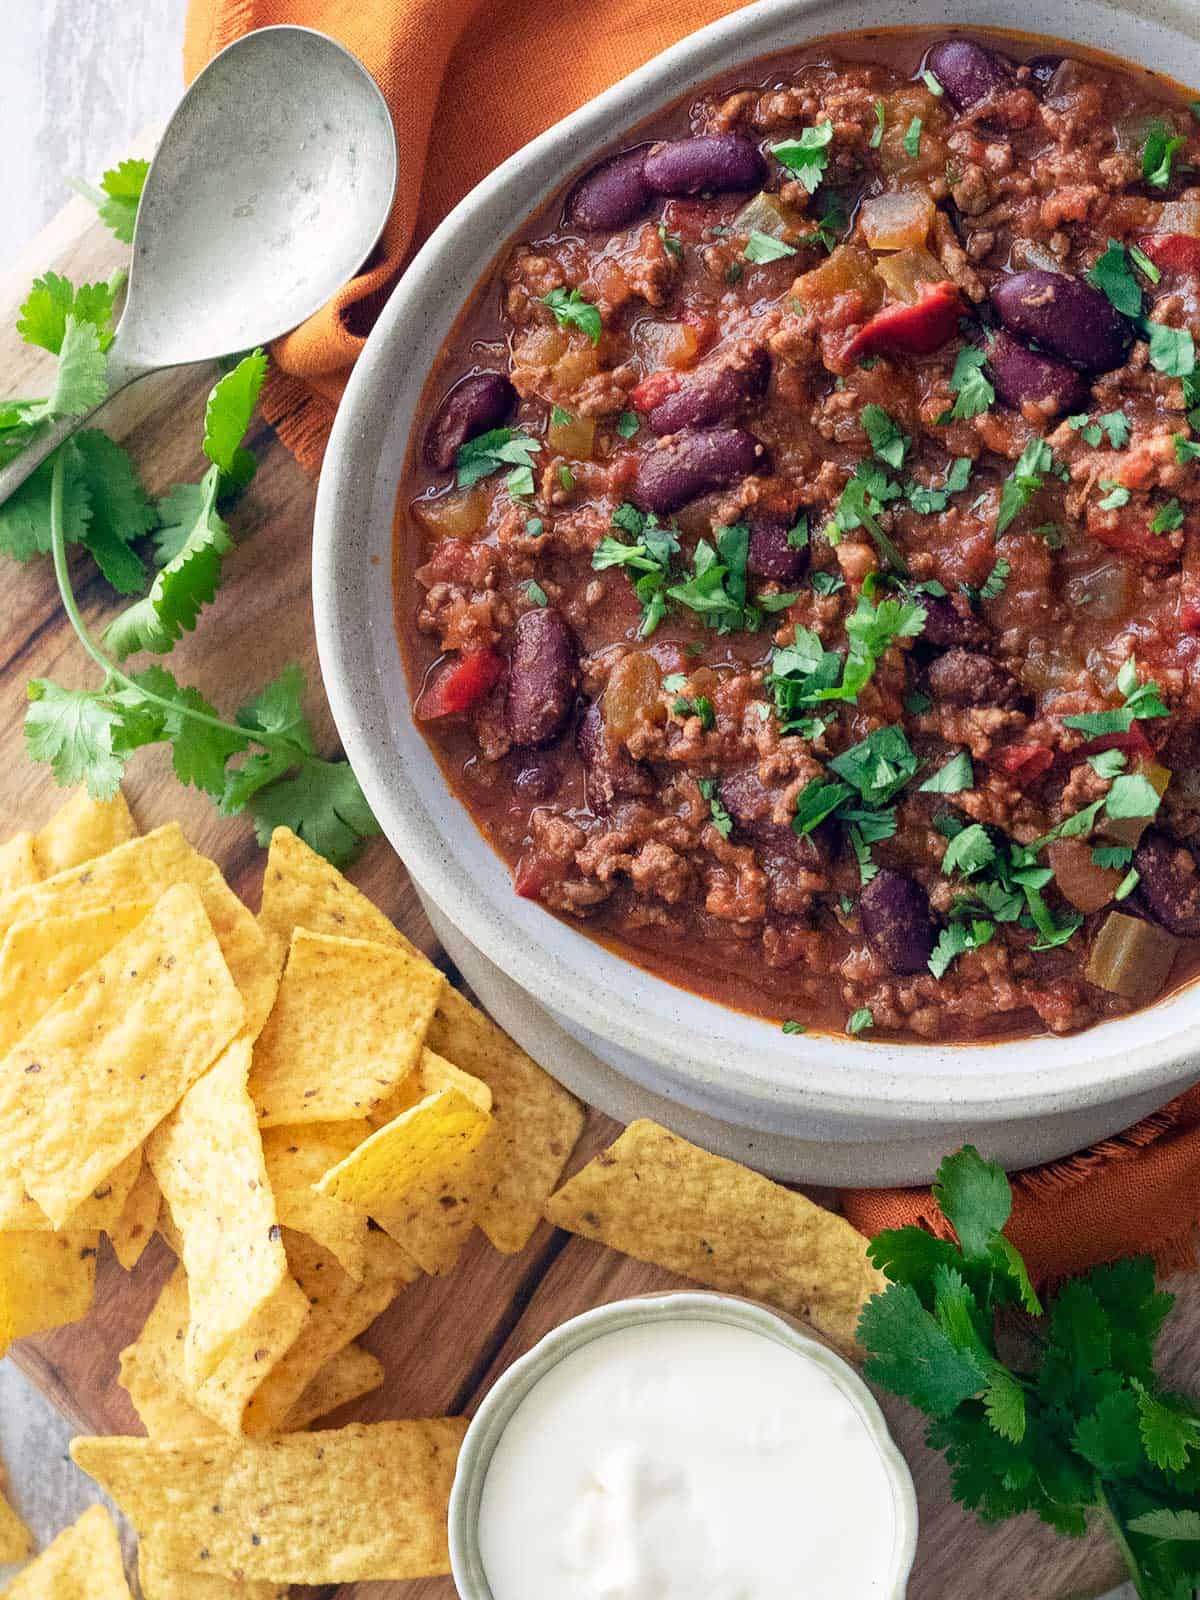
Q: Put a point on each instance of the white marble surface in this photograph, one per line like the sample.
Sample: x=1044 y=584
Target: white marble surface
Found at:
x=78 y=78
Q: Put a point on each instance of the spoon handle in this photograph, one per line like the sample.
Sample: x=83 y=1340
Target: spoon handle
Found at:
x=121 y=373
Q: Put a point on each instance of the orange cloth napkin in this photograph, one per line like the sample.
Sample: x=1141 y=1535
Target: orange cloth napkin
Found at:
x=470 y=81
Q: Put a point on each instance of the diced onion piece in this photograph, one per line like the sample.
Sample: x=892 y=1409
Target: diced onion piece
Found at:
x=631 y=693
x=1131 y=957
x=897 y=221
x=764 y=214
x=1107 y=590
x=669 y=344
x=1179 y=216
x=908 y=271
x=458 y=515
x=1128 y=830
x=1087 y=886
x=849 y=270
x=579 y=363
x=571 y=436
x=895 y=157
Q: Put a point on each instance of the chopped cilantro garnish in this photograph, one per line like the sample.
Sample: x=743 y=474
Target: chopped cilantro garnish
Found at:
x=1186 y=449
x=878 y=766
x=536 y=593
x=957 y=775
x=932 y=84
x=1107 y=763
x=701 y=707
x=500 y=447
x=1172 y=350
x=830 y=224
x=1144 y=264
x=955 y=939
x=1116 y=426
x=1127 y=884
x=887 y=441
x=534 y=527
x=918 y=703
x=560 y=418
x=970 y=384
x=1158 y=153
x=1142 y=701
x=1024 y=481
x=760 y=247
x=880 y=124
x=716 y=591
x=722 y=821
x=1118 y=495
x=1132 y=795
x=925 y=501
x=912 y=138
x=790 y=1025
x=804 y=674
x=860 y=1021
x=670 y=243
x=827 y=583
x=572 y=310
x=992 y=585
x=733 y=272
x=1112 y=855
x=628 y=424
x=565 y=477
x=1113 y=276
x=808 y=156
x=674 y=682
x=797 y=534
x=649 y=556
x=861 y=503
x=1167 y=518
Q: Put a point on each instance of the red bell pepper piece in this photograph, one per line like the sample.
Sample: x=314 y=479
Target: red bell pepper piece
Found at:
x=1189 y=616
x=1173 y=252
x=912 y=330
x=460 y=685
x=1134 y=744
x=652 y=391
x=1023 y=763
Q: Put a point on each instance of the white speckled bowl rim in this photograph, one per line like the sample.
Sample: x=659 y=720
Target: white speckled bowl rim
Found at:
x=741 y=1066
x=515 y=1384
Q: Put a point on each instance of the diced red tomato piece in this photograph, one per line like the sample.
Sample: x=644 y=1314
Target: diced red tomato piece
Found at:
x=913 y=330
x=1023 y=763
x=1129 y=532
x=1134 y=744
x=460 y=685
x=652 y=391
x=1173 y=252
x=1189 y=616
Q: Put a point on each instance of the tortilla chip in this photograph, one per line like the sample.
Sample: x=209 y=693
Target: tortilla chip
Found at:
x=208 y=1159
x=40 y=960
x=16 y=1541
x=347 y=1028
x=81 y=830
x=159 y=1582
x=365 y=1501
x=140 y=870
x=46 y=1280
x=346 y=1376
x=416 y=1177
x=152 y=1368
x=18 y=865
x=115 y=1053
x=85 y=1560
x=19 y=1213
x=340 y=1310
x=434 y=1072
x=299 y=1157
x=657 y=1198
x=535 y=1122
x=134 y=1228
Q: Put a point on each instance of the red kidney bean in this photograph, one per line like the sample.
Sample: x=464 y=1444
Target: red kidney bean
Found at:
x=716 y=161
x=1026 y=377
x=610 y=772
x=1169 y=887
x=949 y=621
x=543 y=673
x=897 y=921
x=538 y=778
x=966 y=678
x=612 y=195
x=691 y=464
x=1066 y=316
x=751 y=805
x=717 y=391
x=770 y=554
x=967 y=71
x=472 y=407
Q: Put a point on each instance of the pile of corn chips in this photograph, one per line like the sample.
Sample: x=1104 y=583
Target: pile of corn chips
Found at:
x=312 y=1118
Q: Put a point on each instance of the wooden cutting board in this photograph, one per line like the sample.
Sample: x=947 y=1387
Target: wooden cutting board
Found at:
x=445 y=1340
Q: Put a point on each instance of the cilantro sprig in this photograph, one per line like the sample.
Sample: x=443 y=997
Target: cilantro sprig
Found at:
x=805 y=675
x=1141 y=701
x=807 y=157
x=118 y=196
x=1070 y=1423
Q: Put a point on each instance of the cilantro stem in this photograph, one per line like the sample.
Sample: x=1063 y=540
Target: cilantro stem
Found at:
x=113 y=673
x=1112 y=1522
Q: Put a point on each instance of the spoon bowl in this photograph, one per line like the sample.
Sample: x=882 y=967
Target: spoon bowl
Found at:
x=268 y=191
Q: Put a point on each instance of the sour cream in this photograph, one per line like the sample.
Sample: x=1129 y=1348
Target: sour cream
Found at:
x=687 y=1460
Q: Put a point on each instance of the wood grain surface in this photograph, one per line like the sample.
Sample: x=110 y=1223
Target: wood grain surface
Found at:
x=444 y=1340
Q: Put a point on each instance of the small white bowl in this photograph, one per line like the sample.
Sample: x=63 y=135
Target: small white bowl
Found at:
x=515 y=1384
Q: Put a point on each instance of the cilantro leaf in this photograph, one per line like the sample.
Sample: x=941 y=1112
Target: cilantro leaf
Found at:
x=887 y=441
x=227 y=417
x=1172 y=350
x=722 y=821
x=1182 y=1525
x=199 y=751
x=808 y=156
x=912 y=1356
x=81 y=380
x=117 y=198
x=955 y=939
x=970 y=384
x=322 y=804
x=1024 y=481
x=912 y=138
x=120 y=509
x=1142 y=701
x=52 y=299
x=957 y=775
x=1113 y=276
x=74 y=730
x=761 y=247
x=491 y=452
x=572 y=310
x=1158 y=153
x=860 y=505
x=975 y=1199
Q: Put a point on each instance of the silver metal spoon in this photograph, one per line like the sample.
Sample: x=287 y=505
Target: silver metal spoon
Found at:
x=270 y=188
